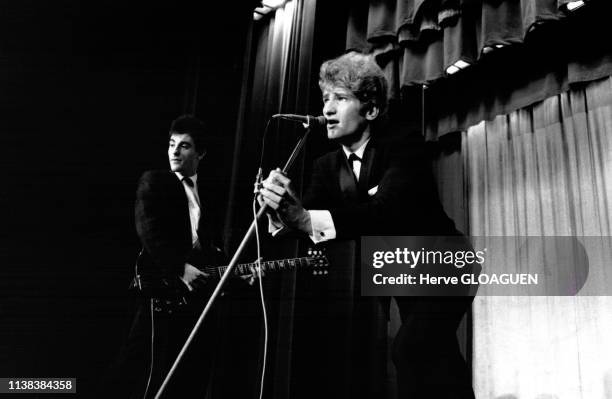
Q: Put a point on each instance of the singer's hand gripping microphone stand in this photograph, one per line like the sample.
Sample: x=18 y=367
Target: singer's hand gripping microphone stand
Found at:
x=230 y=268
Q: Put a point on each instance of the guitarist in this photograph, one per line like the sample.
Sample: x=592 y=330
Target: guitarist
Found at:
x=175 y=224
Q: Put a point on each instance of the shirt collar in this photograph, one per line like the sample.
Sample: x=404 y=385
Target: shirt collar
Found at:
x=193 y=178
x=359 y=152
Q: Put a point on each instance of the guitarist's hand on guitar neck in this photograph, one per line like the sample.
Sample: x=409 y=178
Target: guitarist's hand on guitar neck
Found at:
x=251 y=278
x=193 y=277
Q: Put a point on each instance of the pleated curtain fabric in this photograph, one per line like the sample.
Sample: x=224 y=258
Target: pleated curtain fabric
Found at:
x=545 y=170
x=518 y=52
x=410 y=27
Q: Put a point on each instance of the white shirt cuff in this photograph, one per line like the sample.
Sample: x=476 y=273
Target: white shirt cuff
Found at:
x=323 y=228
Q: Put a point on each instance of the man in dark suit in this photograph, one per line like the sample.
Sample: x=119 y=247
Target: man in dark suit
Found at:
x=175 y=224
x=371 y=186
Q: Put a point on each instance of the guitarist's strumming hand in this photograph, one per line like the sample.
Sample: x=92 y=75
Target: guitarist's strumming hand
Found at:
x=284 y=206
x=193 y=277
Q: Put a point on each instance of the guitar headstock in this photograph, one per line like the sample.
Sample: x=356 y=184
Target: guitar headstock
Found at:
x=318 y=261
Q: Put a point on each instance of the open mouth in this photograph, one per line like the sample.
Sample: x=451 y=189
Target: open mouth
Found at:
x=332 y=123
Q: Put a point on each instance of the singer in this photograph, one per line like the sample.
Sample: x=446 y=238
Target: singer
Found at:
x=370 y=186
x=175 y=221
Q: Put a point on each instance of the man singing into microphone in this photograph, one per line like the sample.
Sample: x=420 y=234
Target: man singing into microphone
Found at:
x=373 y=186
x=175 y=222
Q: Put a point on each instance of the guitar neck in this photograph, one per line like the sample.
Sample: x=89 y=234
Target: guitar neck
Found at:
x=266 y=266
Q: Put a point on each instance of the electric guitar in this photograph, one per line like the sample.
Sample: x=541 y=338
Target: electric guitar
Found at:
x=170 y=295
x=316 y=260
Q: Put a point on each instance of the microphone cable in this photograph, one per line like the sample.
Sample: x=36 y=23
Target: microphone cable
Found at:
x=263 y=302
x=257 y=187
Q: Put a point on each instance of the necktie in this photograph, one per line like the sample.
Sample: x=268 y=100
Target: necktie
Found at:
x=194 y=210
x=352 y=159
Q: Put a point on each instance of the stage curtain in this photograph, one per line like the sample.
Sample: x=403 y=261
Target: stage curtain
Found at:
x=277 y=79
x=448 y=167
x=545 y=170
x=518 y=52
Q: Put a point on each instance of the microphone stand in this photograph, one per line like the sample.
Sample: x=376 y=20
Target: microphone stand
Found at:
x=230 y=268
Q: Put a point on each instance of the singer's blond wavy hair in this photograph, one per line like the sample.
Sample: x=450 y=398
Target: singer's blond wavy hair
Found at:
x=358 y=73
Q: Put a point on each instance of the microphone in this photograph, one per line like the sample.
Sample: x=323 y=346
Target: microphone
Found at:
x=308 y=120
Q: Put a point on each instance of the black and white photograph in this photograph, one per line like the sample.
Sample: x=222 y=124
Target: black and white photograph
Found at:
x=306 y=199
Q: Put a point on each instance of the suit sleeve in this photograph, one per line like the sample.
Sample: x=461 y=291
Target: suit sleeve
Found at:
x=158 y=230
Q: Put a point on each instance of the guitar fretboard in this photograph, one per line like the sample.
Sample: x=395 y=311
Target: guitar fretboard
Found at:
x=266 y=266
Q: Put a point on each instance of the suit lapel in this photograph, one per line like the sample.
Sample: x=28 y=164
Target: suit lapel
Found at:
x=179 y=205
x=203 y=214
x=180 y=192
x=207 y=224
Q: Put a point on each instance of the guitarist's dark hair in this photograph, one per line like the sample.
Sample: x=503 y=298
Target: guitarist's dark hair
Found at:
x=189 y=124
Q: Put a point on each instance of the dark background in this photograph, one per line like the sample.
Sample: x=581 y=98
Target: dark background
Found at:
x=87 y=93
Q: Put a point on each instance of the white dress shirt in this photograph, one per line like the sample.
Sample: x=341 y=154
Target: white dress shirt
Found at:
x=193 y=200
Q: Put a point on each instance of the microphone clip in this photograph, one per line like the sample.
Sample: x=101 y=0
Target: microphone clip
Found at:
x=258 y=185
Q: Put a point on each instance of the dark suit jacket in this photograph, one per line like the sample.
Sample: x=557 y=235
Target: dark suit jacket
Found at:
x=345 y=349
x=163 y=226
x=406 y=201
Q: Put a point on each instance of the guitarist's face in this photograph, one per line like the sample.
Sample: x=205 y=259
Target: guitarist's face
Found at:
x=182 y=154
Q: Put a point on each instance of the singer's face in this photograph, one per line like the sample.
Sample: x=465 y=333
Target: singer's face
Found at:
x=346 y=120
x=182 y=154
